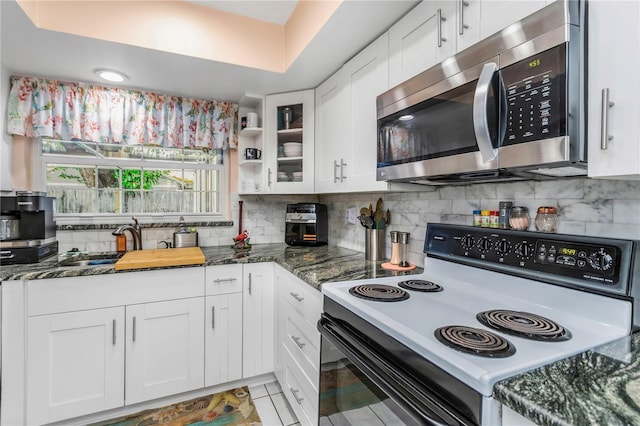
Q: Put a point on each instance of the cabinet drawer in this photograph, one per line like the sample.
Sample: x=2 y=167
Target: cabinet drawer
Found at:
x=301 y=394
x=223 y=279
x=303 y=343
x=303 y=298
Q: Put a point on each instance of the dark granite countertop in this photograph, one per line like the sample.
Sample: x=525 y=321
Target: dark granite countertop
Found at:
x=314 y=265
x=597 y=387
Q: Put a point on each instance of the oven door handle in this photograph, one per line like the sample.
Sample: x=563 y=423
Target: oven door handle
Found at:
x=383 y=375
x=480 y=116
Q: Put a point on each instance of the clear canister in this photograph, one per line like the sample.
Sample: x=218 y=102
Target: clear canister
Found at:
x=519 y=218
x=546 y=219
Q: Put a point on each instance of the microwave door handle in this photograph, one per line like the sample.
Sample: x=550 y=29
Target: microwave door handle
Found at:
x=480 y=121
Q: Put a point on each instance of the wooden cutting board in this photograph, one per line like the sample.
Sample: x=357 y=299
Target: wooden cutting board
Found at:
x=158 y=258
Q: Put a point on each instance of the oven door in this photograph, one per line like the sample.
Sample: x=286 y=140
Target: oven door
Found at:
x=359 y=385
x=453 y=126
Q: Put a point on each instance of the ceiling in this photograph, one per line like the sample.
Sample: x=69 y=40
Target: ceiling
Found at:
x=276 y=12
x=27 y=50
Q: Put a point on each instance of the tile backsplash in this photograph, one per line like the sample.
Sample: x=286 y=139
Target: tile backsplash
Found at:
x=607 y=208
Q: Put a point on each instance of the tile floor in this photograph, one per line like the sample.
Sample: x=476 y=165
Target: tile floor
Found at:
x=272 y=406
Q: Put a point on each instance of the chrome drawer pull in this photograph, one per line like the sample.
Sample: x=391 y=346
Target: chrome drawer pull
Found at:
x=114 y=331
x=296 y=296
x=298 y=342
x=295 y=395
x=605 y=137
x=220 y=280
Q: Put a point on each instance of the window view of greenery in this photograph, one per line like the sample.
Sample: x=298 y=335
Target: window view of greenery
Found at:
x=98 y=178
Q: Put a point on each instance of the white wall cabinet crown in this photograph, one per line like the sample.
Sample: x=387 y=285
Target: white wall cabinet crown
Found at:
x=290 y=143
x=614 y=90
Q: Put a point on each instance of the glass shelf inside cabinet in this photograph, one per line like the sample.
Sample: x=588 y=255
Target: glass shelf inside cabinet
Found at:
x=290 y=146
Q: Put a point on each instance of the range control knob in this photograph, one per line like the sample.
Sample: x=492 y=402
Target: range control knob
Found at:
x=600 y=260
x=484 y=244
x=467 y=242
x=524 y=250
x=503 y=247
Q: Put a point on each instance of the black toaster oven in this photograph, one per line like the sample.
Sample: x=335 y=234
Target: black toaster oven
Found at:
x=306 y=224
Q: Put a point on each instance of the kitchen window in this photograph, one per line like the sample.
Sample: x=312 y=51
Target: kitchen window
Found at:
x=93 y=179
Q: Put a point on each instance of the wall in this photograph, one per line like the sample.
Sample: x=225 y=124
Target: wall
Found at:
x=6 y=181
x=606 y=208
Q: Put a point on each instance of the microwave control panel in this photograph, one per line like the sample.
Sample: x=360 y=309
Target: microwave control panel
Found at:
x=568 y=259
x=536 y=97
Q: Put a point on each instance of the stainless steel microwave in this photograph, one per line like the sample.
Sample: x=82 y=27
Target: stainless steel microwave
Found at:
x=511 y=107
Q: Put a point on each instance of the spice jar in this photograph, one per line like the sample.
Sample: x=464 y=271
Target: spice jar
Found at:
x=477 y=218
x=493 y=219
x=546 y=219
x=519 y=218
x=485 y=218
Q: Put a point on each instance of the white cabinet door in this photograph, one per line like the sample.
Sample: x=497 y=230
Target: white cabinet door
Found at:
x=614 y=60
x=223 y=338
x=495 y=15
x=290 y=148
x=331 y=133
x=258 y=320
x=165 y=348
x=366 y=77
x=75 y=364
x=422 y=38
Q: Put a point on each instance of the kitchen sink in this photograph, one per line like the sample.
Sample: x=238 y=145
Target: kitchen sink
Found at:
x=88 y=262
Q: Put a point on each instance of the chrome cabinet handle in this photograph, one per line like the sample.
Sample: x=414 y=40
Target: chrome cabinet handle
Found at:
x=134 y=329
x=297 y=339
x=213 y=317
x=220 y=280
x=342 y=176
x=439 y=20
x=296 y=296
x=269 y=176
x=249 y=282
x=3 y=253
x=480 y=122
x=335 y=173
x=295 y=395
x=461 y=5
x=113 y=325
x=604 y=120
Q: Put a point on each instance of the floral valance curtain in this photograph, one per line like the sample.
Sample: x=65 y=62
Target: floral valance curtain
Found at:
x=66 y=111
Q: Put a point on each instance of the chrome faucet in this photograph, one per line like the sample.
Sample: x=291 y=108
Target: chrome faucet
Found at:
x=136 y=232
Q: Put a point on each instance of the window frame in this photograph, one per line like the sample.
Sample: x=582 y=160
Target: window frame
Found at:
x=146 y=217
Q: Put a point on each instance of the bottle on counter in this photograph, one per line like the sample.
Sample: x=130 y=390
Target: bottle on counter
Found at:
x=493 y=219
x=505 y=212
x=477 y=218
x=485 y=218
x=121 y=243
x=546 y=219
x=519 y=218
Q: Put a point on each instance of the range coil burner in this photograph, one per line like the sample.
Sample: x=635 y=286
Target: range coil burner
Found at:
x=379 y=292
x=420 y=285
x=474 y=341
x=524 y=324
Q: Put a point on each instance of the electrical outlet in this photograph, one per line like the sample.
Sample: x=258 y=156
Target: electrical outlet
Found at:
x=350 y=216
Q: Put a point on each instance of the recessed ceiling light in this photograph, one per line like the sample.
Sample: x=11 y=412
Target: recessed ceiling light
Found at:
x=110 y=75
x=405 y=117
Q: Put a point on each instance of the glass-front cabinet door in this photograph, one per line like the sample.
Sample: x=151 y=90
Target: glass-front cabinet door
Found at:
x=290 y=143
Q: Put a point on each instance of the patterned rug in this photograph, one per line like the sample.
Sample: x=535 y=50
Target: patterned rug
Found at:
x=229 y=408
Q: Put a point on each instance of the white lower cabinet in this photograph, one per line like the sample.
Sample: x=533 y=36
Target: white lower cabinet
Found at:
x=223 y=324
x=75 y=364
x=258 y=319
x=298 y=344
x=164 y=348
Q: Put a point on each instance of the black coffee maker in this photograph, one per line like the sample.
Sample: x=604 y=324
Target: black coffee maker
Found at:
x=28 y=228
x=306 y=224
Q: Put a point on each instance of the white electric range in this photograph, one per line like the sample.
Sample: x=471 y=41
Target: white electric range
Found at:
x=489 y=305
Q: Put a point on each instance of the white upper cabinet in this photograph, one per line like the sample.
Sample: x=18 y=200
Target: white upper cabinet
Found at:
x=290 y=143
x=331 y=130
x=421 y=39
x=614 y=60
x=250 y=168
x=366 y=77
